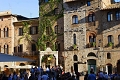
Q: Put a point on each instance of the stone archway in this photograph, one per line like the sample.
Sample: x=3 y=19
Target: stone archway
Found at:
x=48 y=51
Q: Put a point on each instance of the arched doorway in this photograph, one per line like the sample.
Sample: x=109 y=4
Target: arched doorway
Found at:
x=75 y=58
x=91 y=65
x=109 y=67
x=47 y=53
x=48 y=60
x=118 y=66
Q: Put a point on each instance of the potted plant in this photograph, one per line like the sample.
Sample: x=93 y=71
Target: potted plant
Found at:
x=93 y=44
x=110 y=44
x=74 y=46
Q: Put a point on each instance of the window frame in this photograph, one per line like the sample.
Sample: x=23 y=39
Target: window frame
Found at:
x=110 y=38
x=91 y=17
x=74 y=19
x=117 y=15
x=33 y=30
x=33 y=47
x=6 y=32
x=74 y=39
x=20 y=32
x=108 y=56
x=6 y=49
x=20 y=48
x=88 y=3
x=109 y=16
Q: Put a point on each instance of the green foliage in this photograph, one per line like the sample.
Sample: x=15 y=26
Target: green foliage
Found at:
x=47 y=19
x=110 y=44
x=92 y=44
x=74 y=46
x=45 y=58
x=26 y=35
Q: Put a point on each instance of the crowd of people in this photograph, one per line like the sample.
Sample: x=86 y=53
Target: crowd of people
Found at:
x=101 y=76
x=38 y=73
x=57 y=73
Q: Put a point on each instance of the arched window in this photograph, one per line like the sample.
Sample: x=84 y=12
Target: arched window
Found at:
x=91 y=54
x=6 y=47
x=108 y=56
x=75 y=19
x=92 y=38
x=91 y=17
x=109 y=16
x=75 y=58
x=74 y=38
x=117 y=14
x=6 y=32
x=118 y=38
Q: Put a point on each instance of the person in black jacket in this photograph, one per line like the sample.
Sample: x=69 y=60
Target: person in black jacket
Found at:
x=86 y=76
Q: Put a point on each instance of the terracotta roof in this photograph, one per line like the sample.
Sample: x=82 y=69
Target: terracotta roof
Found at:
x=112 y=6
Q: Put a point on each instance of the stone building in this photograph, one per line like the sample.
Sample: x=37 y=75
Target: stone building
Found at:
x=91 y=35
x=7 y=34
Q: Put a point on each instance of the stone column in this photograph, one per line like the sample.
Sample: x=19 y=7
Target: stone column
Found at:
x=41 y=55
x=107 y=69
x=56 y=55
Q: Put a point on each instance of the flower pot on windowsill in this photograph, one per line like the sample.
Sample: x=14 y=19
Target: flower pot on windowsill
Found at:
x=75 y=47
x=110 y=44
x=93 y=44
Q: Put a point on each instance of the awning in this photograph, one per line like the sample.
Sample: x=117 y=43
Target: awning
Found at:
x=10 y=58
x=21 y=67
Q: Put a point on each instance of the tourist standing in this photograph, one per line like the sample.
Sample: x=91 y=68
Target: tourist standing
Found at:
x=91 y=76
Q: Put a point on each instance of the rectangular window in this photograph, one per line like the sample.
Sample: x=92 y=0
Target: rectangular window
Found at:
x=15 y=49
x=20 y=48
x=56 y=11
x=117 y=15
x=109 y=16
x=6 y=49
x=34 y=30
x=48 y=30
x=33 y=47
x=20 y=31
x=109 y=38
x=88 y=3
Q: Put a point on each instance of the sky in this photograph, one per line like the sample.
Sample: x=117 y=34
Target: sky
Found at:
x=27 y=8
